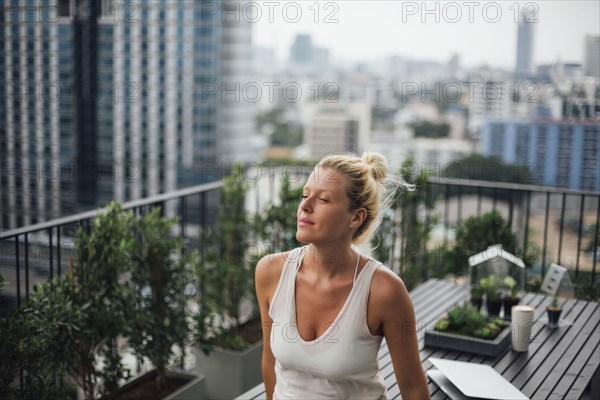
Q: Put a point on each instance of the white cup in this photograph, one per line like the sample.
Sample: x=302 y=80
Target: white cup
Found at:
x=522 y=321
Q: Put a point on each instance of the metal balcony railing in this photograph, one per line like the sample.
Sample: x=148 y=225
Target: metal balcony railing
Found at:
x=561 y=225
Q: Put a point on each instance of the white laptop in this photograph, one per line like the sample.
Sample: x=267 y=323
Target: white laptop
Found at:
x=462 y=380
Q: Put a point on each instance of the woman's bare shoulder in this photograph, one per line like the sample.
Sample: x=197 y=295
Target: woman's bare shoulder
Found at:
x=388 y=289
x=268 y=269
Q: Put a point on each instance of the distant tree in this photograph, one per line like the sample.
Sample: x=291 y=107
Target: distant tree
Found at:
x=281 y=131
x=479 y=167
x=427 y=129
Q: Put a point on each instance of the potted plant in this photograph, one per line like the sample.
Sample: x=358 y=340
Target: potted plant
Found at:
x=491 y=288
x=158 y=313
x=228 y=331
x=511 y=298
x=465 y=328
x=553 y=311
x=99 y=300
x=476 y=296
x=29 y=343
x=68 y=327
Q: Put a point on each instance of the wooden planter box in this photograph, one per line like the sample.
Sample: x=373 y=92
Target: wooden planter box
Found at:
x=470 y=344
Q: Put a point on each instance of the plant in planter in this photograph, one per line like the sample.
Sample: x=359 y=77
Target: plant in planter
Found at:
x=464 y=328
x=69 y=326
x=553 y=311
x=468 y=321
x=491 y=288
x=32 y=342
x=476 y=296
x=227 y=322
x=159 y=313
x=511 y=298
x=101 y=302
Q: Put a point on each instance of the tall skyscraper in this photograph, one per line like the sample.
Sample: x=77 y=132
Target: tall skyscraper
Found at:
x=302 y=50
x=591 y=61
x=525 y=47
x=120 y=100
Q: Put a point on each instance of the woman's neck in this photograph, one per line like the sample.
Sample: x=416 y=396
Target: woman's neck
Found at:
x=331 y=260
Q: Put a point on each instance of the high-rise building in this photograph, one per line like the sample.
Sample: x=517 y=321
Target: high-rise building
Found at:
x=558 y=153
x=591 y=61
x=336 y=128
x=121 y=100
x=525 y=47
x=302 y=50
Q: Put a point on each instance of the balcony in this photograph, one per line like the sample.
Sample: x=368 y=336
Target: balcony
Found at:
x=551 y=226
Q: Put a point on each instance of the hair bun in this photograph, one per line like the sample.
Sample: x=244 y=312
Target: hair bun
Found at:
x=377 y=163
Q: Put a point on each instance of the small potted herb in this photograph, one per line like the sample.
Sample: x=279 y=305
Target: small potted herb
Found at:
x=554 y=310
x=491 y=287
x=476 y=296
x=511 y=298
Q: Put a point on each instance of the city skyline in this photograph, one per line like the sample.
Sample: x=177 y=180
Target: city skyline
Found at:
x=479 y=32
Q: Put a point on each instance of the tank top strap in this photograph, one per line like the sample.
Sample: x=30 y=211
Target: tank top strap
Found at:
x=283 y=292
x=363 y=284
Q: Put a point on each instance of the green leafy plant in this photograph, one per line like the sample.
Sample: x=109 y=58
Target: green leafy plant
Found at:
x=478 y=233
x=476 y=292
x=277 y=225
x=404 y=229
x=159 y=318
x=101 y=303
x=464 y=319
x=33 y=338
x=491 y=287
x=225 y=275
x=511 y=285
x=555 y=304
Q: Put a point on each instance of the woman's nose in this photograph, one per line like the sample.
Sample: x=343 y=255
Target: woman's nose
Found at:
x=305 y=204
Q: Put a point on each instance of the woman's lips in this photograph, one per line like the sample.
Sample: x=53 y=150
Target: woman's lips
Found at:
x=305 y=222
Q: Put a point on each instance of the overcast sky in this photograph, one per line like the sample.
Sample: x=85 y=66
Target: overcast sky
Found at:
x=480 y=32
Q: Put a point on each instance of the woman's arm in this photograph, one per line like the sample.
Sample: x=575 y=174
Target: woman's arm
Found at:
x=399 y=329
x=266 y=281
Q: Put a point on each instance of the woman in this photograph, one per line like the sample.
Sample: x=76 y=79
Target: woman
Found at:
x=325 y=308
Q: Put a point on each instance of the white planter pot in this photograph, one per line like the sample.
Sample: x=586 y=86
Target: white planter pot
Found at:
x=230 y=373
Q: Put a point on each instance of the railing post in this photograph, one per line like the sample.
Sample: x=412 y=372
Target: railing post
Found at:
x=579 y=234
x=479 y=194
x=459 y=207
x=51 y=250
x=545 y=232
x=18 y=271
x=58 y=250
x=446 y=207
x=26 y=265
x=562 y=225
x=595 y=251
x=526 y=233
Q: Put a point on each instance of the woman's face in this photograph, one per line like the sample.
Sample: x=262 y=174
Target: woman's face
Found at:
x=323 y=215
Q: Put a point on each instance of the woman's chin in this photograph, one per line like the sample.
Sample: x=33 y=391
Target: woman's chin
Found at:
x=302 y=237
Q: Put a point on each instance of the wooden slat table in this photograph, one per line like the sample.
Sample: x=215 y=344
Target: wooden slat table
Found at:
x=560 y=364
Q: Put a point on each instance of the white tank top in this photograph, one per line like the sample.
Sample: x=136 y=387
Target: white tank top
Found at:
x=342 y=362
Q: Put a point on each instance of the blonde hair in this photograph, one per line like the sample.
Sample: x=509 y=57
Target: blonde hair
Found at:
x=369 y=187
